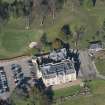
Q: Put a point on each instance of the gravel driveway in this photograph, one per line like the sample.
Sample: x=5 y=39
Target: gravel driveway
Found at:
x=87 y=70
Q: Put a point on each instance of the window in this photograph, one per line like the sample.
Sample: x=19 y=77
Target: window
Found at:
x=48 y=83
x=53 y=83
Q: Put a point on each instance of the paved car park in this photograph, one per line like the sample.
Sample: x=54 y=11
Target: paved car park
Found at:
x=3 y=81
x=15 y=71
x=18 y=75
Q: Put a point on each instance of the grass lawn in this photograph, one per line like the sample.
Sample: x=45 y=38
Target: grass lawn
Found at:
x=14 y=39
x=98 y=97
x=66 y=91
x=13 y=42
x=100 y=64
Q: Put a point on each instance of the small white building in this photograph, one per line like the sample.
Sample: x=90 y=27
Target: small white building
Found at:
x=33 y=44
x=95 y=46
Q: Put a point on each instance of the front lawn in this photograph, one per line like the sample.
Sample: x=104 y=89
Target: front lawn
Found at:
x=66 y=91
x=97 y=97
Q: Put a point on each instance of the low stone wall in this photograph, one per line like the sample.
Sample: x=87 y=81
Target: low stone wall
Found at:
x=73 y=83
x=13 y=58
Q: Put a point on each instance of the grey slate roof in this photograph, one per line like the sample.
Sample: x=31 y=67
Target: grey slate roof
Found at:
x=58 y=55
x=95 y=46
x=53 y=70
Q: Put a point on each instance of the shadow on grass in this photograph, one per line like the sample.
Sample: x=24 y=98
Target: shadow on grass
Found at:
x=46 y=90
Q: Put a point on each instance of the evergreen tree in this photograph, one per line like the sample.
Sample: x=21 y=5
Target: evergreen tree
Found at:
x=44 y=39
x=88 y=3
x=103 y=26
x=37 y=97
x=94 y=2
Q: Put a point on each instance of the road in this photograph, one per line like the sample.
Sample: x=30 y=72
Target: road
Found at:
x=87 y=70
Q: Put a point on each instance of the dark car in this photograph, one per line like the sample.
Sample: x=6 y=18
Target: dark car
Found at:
x=1 y=68
x=30 y=63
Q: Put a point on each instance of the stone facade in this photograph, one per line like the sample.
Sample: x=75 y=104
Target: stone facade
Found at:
x=55 y=68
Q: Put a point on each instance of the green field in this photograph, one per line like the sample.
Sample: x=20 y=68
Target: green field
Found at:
x=13 y=42
x=100 y=64
x=66 y=91
x=97 y=97
x=14 y=39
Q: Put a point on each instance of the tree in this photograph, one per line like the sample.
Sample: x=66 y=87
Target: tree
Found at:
x=86 y=3
x=37 y=97
x=66 y=30
x=79 y=32
x=53 y=4
x=4 y=13
x=81 y=2
x=43 y=10
x=56 y=44
x=94 y=2
x=19 y=9
x=103 y=26
x=93 y=37
x=30 y=9
x=44 y=39
x=97 y=33
x=28 y=4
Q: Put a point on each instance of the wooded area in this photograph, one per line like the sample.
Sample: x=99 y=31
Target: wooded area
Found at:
x=29 y=8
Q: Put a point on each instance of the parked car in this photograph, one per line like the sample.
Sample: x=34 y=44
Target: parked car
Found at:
x=17 y=74
x=3 y=81
x=30 y=63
